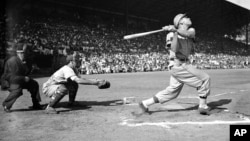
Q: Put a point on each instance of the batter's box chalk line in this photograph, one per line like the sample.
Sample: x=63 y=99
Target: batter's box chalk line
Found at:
x=130 y=122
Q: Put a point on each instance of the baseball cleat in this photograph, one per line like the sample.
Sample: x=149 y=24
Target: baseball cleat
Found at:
x=204 y=111
x=7 y=110
x=37 y=107
x=143 y=110
x=51 y=110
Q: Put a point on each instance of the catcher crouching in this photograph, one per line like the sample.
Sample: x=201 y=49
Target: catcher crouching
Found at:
x=65 y=81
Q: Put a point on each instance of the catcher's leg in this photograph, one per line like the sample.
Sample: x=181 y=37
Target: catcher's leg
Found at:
x=72 y=87
x=55 y=98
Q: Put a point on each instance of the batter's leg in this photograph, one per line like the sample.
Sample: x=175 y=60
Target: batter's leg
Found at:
x=171 y=92
x=199 y=80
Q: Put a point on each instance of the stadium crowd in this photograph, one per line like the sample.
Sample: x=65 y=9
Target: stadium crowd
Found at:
x=104 y=51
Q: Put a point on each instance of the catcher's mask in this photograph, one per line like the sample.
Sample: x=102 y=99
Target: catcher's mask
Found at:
x=74 y=58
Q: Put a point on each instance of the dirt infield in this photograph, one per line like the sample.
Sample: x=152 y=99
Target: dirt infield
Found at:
x=106 y=118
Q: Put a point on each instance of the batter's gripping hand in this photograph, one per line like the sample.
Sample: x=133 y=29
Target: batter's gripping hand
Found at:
x=169 y=28
x=103 y=84
x=170 y=65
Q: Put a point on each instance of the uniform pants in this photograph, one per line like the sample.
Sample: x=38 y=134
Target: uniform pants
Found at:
x=63 y=89
x=185 y=74
x=16 y=91
x=72 y=87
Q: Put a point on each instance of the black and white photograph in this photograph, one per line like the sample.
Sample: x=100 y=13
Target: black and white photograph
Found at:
x=124 y=70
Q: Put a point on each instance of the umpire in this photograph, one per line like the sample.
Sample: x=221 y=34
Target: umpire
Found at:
x=15 y=79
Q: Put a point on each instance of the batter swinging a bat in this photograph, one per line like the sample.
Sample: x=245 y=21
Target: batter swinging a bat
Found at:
x=181 y=40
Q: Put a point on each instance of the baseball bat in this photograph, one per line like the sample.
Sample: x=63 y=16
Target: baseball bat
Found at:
x=131 y=36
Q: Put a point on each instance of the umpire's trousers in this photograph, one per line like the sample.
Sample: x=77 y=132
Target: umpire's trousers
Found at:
x=185 y=74
x=16 y=91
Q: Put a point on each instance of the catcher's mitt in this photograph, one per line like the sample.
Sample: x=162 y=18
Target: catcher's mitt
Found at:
x=103 y=84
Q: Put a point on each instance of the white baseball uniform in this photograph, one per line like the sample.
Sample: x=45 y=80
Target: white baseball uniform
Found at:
x=183 y=72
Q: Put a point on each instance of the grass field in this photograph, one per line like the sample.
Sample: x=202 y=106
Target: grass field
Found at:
x=107 y=119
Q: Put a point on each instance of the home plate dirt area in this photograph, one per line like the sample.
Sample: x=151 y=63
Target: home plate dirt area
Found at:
x=103 y=115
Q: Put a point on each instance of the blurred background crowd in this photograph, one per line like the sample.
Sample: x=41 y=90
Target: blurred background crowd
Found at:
x=46 y=40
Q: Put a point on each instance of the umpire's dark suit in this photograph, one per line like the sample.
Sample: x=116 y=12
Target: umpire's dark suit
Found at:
x=14 y=77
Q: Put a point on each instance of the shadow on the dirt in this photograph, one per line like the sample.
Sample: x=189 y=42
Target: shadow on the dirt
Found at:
x=93 y=103
x=29 y=109
x=221 y=102
x=79 y=105
x=82 y=105
x=214 y=105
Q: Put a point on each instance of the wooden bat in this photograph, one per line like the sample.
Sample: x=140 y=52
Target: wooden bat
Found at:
x=131 y=36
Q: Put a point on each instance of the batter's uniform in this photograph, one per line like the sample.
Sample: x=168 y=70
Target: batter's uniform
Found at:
x=60 y=84
x=182 y=72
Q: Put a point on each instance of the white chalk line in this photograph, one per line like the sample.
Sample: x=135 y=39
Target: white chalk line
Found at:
x=167 y=124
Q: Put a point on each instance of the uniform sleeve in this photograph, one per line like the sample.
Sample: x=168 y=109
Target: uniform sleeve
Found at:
x=190 y=33
x=69 y=73
x=169 y=39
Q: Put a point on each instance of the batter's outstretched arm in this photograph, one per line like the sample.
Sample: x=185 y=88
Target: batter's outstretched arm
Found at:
x=189 y=33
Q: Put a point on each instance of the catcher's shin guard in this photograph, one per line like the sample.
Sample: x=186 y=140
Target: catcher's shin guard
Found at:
x=72 y=97
x=56 y=100
x=72 y=87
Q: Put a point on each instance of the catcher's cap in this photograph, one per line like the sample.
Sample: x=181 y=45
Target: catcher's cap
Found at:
x=177 y=19
x=70 y=58
x=73 y=57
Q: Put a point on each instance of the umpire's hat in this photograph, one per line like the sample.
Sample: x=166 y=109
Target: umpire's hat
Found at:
x=19 y=48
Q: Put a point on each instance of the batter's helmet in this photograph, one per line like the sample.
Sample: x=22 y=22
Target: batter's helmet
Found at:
x=177 y=19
